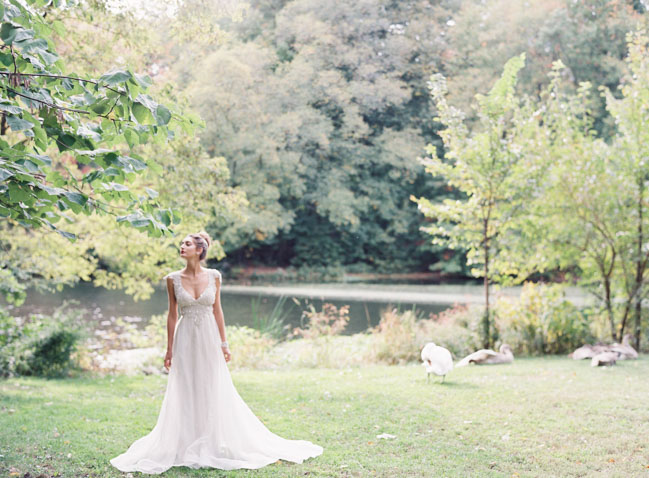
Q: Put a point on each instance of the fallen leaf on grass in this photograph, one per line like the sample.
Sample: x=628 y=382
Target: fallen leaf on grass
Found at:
x=370 y=443
x=611 y=460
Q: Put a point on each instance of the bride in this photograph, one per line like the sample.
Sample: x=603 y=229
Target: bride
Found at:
x=203 y=422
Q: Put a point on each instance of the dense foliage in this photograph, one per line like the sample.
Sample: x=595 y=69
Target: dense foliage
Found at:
x=322 y=112
x=47 y=109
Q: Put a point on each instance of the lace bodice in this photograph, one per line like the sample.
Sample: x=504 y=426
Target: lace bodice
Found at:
x=191 y=307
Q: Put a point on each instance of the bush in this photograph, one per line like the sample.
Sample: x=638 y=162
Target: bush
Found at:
x=458 y=329
x=331 y=320
x=249 y=346
x=396 y=337
x=399 y=337
x=40 y=345
x=541 y=321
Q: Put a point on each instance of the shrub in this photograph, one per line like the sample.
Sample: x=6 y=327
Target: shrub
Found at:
x=249 y=346
x=399 y=337
x=396 y=337
x=458 y=329
x=331 y=320
x=40 y=345
x=541 y=321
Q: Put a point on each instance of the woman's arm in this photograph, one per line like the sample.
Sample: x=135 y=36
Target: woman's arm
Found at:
x=220 y=321
x=172 y=318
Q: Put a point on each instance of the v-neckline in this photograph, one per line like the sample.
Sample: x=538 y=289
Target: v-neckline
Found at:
x=180 y=281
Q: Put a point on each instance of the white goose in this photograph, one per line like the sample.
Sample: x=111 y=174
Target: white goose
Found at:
x=437 y=360
x=486 y=356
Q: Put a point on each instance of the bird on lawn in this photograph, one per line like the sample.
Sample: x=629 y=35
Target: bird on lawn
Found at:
x=605 y=358
x=624 y=350
x=588 y=351
x=486 y=356
x=437 y=360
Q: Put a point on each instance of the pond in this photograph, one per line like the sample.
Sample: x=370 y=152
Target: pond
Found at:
x=241 y=303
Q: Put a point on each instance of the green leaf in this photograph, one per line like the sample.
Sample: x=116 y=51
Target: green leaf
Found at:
x=115 y=77
x=9 y=108
x=5 y=173
x=17 y=194
x=40 y=138
x=101 y=107
x=147 y=101
x=142 y=114
x=8 y=32
x=18 y=124
x=163 y=115
x=131 y=138
x=143 y=80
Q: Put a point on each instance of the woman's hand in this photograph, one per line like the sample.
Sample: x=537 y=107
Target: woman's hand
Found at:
x=168 y=359
x=226 y=353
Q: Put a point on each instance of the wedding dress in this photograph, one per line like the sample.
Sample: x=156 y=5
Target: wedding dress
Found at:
x=203 y=422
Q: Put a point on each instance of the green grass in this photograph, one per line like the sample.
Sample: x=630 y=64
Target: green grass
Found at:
x=537 y=417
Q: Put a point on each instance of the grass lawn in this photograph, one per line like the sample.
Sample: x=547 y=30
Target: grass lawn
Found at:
x=537 y=417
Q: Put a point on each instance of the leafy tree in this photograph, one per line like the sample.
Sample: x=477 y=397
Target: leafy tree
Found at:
x=587 y=36
x=186 y=178
x=630 y=150
x=47 y=110
x=590 y=215
x=488 y=167
x=321 y=114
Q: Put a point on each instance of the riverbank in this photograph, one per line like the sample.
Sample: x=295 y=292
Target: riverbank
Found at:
x=537 y=417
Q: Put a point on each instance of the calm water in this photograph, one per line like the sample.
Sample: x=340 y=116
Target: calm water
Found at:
x=366 y=302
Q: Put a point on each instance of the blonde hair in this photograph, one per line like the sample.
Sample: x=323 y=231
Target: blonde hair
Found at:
x=203 y=240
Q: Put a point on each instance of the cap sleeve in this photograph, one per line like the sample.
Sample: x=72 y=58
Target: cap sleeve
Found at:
x=218 y=276
x=168 y=276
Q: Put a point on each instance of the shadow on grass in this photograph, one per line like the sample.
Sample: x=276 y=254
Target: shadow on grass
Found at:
x=451 y=384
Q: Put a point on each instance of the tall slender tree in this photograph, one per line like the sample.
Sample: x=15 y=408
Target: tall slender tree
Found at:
x=487 y=166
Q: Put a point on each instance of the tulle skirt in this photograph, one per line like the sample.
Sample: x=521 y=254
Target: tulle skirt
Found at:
x=203 y=421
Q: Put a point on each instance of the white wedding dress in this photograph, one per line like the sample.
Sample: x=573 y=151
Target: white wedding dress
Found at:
x=203 y=422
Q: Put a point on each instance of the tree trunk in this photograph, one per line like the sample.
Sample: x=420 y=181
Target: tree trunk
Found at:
x=486 y=320
x=609 y=308
x=639 y=275
x=638 y=322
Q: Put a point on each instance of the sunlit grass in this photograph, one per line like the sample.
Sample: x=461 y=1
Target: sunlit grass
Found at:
x=536 y=417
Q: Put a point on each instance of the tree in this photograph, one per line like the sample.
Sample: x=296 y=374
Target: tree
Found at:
x=47 y=110
x=630 y=149
x=590 y=216
x=321 y=113
x=488 y=167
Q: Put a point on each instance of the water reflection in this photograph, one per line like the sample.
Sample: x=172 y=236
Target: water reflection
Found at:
x=242 y=303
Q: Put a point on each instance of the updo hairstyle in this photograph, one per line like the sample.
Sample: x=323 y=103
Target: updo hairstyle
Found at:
x=202 y=239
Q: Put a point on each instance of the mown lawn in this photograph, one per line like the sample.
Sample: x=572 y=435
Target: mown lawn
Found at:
x=537 y=417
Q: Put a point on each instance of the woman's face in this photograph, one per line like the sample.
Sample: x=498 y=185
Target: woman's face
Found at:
x=188 y=248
